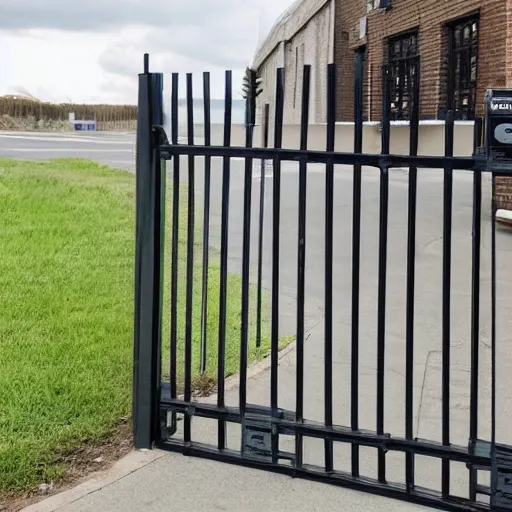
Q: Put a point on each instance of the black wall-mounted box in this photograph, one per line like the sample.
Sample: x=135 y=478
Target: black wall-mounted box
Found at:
x=498 y=123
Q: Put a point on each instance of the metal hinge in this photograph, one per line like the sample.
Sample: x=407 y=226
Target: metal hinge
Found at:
x=160 y=135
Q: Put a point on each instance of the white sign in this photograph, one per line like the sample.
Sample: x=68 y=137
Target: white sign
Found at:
x=501 y=106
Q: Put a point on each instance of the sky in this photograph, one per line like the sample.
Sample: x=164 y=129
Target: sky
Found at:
x=90 y=51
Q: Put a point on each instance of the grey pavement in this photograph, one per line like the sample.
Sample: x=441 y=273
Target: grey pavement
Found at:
x=191 y=484
x=159 y=481
x=428 y=312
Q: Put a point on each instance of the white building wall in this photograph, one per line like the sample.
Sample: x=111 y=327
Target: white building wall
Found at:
x=306 y=36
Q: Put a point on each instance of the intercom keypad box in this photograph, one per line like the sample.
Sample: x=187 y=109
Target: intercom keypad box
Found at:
x=498 y=120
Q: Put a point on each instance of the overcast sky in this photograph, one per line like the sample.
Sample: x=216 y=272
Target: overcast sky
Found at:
x=91 y=50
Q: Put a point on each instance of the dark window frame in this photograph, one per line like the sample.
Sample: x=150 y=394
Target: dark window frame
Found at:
x=462 y=75
x=403 y=62
x=374 y=5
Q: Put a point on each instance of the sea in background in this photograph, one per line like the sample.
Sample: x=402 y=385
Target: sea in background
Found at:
x=216 y=114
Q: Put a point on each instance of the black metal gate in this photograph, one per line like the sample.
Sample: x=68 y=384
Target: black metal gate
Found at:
x=271 y=437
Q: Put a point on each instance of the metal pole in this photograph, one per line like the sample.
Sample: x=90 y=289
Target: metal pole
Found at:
x=148 y=264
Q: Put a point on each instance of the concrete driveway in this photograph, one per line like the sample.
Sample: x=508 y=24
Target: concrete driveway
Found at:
x=428 y=311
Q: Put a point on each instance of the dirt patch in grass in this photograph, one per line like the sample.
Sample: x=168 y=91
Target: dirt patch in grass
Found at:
x=80 y=465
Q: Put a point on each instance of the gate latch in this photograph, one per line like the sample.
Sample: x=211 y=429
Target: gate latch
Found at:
x=257 y=439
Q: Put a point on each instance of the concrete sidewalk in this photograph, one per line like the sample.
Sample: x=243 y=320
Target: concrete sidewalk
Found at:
x=155 y=481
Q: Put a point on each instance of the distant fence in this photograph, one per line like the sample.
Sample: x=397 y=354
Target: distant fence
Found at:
x=25 y=114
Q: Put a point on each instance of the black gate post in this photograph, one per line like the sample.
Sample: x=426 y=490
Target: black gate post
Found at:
x=148 y=262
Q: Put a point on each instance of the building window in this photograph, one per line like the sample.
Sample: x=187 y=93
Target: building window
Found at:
x=372 y=5
x=403 y=63
x=462 y=68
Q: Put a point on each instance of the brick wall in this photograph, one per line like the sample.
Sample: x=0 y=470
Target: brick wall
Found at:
x=429 y=18
x=509 y=43
x=504 y=193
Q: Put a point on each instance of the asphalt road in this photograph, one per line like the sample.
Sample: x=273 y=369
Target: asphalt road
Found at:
x=114 y=149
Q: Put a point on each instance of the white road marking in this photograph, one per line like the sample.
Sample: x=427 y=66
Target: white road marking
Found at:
x=66 y=150
x=89 y=135
x=90 y=140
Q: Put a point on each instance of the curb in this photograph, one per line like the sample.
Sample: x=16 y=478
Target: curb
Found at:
x=132 y=462
x=136 y=460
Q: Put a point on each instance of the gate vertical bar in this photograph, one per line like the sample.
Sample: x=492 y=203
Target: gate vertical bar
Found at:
x=356 y=257
x=329 y=212
x=475 y=307
x=206 y=220
x=411 y=277
x=266 y=115
x=160 y=171
x=174 y=238
x=146 y=63
x=160 y=166
x=446 y=322
x=301 y=262
x=190 y=258
x=221 y=376
x=274 y=352
x=383 y=250
x=494 y=475
x=246 y=252
x=148 y=265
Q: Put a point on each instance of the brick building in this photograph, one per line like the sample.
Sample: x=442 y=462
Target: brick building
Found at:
x=456 y=48
x=459 y=48
x=452 y=49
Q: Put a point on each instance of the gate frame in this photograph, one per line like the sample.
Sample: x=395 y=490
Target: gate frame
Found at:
x=150 y=409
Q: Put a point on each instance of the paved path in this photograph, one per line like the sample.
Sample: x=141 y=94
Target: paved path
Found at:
x=157 y=481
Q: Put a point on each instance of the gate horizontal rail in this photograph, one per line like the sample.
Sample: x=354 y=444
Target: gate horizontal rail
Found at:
x=329 y=157
x=286 y=424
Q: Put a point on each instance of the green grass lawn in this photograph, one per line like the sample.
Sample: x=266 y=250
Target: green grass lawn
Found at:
x=66 y=321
